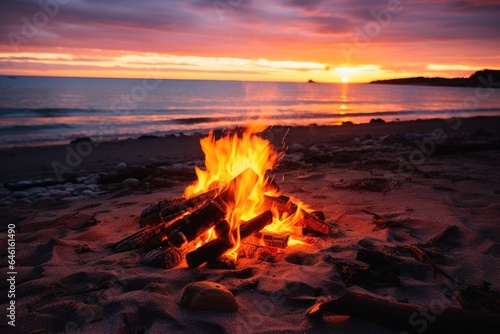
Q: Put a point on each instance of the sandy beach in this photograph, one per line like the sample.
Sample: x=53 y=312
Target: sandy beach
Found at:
x=383 y=188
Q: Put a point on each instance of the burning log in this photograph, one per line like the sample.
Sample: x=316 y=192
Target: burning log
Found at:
x=222 y=262
x=193 y=225
x=277 y=240
x=167 y=210
x=215 y=248
x=284 y=205
x=256 y=224
x=208 y=251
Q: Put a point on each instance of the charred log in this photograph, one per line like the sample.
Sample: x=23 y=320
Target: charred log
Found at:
x=166 y=210
x=256 y=224
x=277 y=240
x=208 y=251
x=284 y=205
x=166 y=257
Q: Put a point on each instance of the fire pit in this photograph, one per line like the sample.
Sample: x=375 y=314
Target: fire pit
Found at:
x=233 y=210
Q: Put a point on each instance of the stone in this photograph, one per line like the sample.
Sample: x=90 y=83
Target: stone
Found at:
x=60 y=194
x=121 y=166
x=24 y=183
x=43 y=201
x=130 y=182
x=294 y=148
x=35 y=191
x=208 y=296
x=19 y=194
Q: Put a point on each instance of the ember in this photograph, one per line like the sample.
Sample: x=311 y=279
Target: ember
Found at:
x=233 y=205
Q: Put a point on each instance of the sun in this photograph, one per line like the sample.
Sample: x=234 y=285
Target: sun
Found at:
x=345 y=79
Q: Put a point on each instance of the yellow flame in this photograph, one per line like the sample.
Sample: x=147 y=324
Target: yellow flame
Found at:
x=226 y=158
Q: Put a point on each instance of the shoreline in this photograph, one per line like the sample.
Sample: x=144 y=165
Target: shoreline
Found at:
x=37 y=161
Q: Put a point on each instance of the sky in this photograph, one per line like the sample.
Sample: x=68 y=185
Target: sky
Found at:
x=280 y=40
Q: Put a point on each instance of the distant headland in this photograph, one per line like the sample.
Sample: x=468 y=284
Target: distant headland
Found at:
x=487 y=78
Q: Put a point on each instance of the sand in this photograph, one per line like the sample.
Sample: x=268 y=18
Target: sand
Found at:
x=382 y=186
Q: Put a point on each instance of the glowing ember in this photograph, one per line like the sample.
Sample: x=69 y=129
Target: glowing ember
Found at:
x=225 y=159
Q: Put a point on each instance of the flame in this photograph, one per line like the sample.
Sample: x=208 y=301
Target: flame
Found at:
x=225 y=159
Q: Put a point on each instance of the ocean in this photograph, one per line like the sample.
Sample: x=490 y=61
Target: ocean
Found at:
x=47 y=110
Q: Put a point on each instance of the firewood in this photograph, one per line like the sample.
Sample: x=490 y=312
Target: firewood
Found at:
x=150 y=216
x=167 y=210
x=226 y=196
x=314 y=223
x=221 y=244
x=138 y=239
x=222 y=228
x=256 y=224
x=208 y=251
x=277 y=240
x=166 y=257
x=222 y=262
x=198 y=222
x=408 y=317
x=284 y=205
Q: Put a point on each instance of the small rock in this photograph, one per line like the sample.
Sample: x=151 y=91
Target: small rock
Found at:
x=121 y=166
x=42 y=195
x=6 y=202
x=356 y=141
x=60 y=194
x=24 y=183
x=35 y=191
x=88 y=193
x=19 y=194
x=69 y=199
x=130 y=182
x=208 y=296
x=294 y=148
x=44 y=201
x=319 y=148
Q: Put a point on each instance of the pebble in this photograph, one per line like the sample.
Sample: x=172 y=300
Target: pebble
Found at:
x=294 y=148
x=319 y=148
x=35 y=191
x=121 y=166
x=61 y=193
x=89 y=193
x=7 y=202
x=42 y=195
x=24 y=183
x=130 y=182
x=356 y=141
x=19 y=194
x=44 y=201
x=208 y=296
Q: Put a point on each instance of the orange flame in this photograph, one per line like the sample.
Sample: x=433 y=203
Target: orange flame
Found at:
x=225 y=159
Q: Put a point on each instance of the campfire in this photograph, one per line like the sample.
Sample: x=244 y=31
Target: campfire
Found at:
x=233 y=209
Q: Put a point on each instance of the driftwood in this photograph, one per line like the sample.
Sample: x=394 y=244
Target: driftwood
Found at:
x=413 y=318
x=467 y=292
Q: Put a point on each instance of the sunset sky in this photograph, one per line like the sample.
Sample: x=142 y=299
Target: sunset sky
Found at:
x=281 y=40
